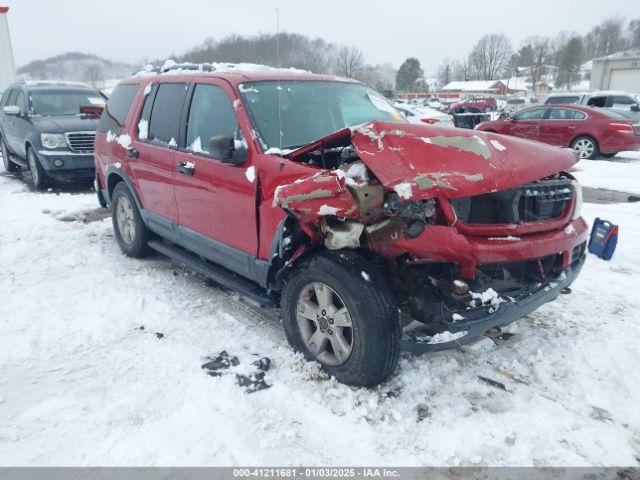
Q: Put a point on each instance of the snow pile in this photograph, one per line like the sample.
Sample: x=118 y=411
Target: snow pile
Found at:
x=171 y=67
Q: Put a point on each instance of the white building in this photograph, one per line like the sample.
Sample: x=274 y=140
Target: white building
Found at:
x=7 y=67
x=617 y=72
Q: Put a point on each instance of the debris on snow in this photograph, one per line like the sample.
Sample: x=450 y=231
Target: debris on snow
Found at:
x=217 y=365
x=493 y=383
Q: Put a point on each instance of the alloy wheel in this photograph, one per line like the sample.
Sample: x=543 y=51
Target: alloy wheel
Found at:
x=584 y=148
x=125 y=220
x=324 y=323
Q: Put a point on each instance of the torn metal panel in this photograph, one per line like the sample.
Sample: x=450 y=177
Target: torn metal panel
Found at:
x=453 y=162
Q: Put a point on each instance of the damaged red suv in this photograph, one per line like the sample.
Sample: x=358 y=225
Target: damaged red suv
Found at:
x=372 y=234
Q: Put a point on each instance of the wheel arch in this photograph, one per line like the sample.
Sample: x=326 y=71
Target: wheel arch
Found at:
x=115 y=176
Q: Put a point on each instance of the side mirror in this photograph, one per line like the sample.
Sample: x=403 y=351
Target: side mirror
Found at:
x=223 y=148
x=635 y=107
x=12 y=110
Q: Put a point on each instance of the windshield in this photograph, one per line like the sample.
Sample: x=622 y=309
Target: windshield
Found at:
x=64 y=102
x=310 y=110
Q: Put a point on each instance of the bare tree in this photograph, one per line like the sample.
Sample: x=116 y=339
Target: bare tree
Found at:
x=445 y=71
x=534 y=56
x=93 y=74
x=490 y=56
x=605 y=39
x=349 y=61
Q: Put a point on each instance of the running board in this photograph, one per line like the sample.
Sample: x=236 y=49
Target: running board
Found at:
x=217 y=274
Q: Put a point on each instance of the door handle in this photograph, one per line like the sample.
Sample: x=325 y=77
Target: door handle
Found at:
x=186 y=168
x=132 y=152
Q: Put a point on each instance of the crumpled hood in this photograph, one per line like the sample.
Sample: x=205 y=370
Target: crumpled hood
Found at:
x=426 y=161
x=64 y=123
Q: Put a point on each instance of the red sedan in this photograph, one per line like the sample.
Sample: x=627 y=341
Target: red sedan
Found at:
x=586 y=130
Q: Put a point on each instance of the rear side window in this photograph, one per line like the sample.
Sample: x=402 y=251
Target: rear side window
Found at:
x=21 y=103
x=165 y=115
x=211 y=115
x=117 y=108
x=566 y=114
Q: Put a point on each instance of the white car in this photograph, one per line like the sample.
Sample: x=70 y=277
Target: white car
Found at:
x=423 y=114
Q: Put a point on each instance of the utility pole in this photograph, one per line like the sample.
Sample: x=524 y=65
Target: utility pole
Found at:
x=7 y=67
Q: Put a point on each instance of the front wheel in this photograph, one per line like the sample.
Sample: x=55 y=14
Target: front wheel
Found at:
x=38 y=175
x=585 y=147
x=9 y=166
x=339 y=312
x=130 y=231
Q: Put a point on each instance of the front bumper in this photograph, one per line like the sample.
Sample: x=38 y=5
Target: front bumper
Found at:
x=67 y=165
x=477 y=322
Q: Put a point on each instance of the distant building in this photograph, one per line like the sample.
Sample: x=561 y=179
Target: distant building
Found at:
x=616 y=73
x=495 y=87
x=7 y=67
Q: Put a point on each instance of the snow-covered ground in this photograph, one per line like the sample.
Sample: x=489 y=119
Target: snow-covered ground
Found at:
x=82 y=384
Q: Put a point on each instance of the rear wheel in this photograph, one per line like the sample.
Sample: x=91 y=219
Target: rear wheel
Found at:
x=130 y=231
x=339 y=312
x=38 y=176
x=585 y=147
x=9 y=166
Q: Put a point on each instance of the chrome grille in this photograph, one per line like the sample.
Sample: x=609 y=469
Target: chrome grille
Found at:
x=81 y=141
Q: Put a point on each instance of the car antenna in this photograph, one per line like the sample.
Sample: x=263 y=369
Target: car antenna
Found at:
x=279 y=88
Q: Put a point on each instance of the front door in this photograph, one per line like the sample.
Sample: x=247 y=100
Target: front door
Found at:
x=526 y=124
x=216 y=200
x=155 y=145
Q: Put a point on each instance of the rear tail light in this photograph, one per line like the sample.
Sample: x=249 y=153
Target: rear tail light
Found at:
x=622 y=127
x=430 y=121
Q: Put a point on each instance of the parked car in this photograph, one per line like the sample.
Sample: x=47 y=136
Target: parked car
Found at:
x=475 y=105
x=423 y=114
x=588 y=131
x=48 y=128
x=566 y=98
x=614 y=99
x=334 y=207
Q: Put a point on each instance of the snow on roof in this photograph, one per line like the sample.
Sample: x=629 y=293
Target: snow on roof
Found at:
x=171 y=67
x=472 y=86
x=517 y=83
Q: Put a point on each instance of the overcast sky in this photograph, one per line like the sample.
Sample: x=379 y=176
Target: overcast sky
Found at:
x=386 y=31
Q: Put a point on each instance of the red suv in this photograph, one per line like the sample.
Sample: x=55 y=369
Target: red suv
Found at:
x=475 y=105
x=588 y=131
x=313 y=193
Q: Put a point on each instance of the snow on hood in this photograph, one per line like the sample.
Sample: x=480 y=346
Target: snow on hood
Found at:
x=452 y=162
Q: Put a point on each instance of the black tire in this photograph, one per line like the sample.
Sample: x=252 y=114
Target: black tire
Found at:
x=134 y=239
x=9 y=166
x=375 y=327
x=39 y=178
x=584 y=154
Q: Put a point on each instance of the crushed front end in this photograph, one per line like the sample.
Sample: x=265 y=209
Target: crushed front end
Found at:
x=472 y=230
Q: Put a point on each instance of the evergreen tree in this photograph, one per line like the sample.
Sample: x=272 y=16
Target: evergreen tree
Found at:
x=408 y=73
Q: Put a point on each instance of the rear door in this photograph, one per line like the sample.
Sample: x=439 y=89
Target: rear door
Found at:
x=155 y=143
x=560 y=125
x=526 y=124
x=215 y=199
x=10 y=121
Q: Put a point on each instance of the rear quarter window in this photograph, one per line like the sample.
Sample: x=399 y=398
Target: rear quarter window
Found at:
x=118 y=106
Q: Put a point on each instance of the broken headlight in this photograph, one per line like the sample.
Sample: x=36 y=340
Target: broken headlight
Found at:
x=416 y=212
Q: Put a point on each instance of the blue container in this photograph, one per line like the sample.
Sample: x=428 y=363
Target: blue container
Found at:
x=603 y=239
